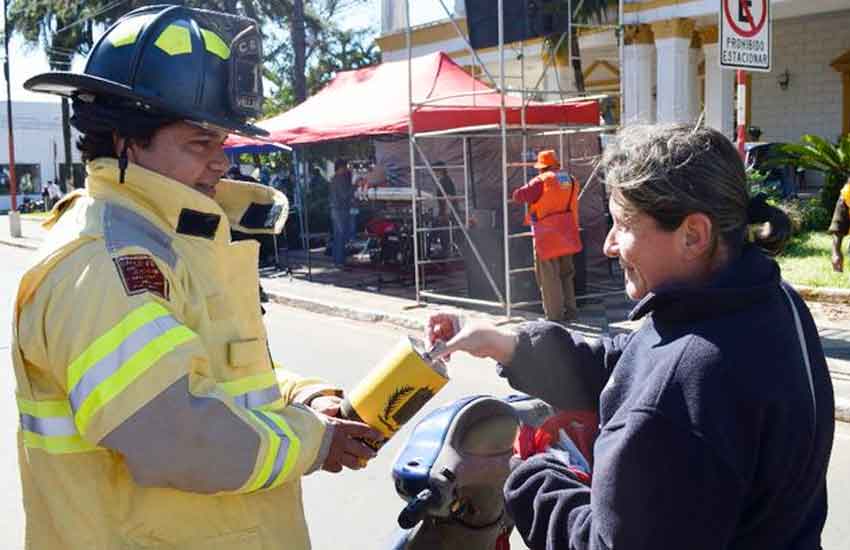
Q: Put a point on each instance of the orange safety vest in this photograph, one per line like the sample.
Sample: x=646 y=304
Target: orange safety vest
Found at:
x=845 y=194
x=554 y=218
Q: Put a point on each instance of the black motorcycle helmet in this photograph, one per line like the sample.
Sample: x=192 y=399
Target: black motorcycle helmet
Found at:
x=172 y=62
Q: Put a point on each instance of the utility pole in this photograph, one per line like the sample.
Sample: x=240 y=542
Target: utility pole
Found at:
x=14 y=216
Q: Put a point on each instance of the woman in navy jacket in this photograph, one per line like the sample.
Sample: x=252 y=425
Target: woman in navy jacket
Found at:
x=716 y=415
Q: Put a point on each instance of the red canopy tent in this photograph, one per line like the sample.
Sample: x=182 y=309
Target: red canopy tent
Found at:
x=375 y=101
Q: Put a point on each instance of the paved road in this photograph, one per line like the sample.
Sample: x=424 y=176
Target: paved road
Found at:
x=355 y=509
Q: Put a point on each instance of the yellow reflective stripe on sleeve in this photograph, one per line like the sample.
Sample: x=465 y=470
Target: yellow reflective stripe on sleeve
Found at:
x=130 y=371
x=292 y=453
x=43 y=409
x=107 y=343
x=49 y=426
x=62 y=444
x=175 y=40
x=249 y=383
x=268 y=460
x=215 y=44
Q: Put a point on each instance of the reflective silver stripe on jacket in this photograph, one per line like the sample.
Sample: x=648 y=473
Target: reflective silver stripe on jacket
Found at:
x=258 y=398
x=55 y=425
x=123 y=227
x=282 y=451
x=112 y=362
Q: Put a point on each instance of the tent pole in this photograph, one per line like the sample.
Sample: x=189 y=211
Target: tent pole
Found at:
x=411 y=139
x=467 y=180
x=302 y=159
x=504 y=128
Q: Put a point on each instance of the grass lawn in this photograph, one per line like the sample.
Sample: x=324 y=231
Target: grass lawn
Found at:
x=806 y=261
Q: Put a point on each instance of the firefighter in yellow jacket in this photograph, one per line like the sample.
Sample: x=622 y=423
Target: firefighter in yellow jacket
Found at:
x=151 y=413
x=840 y=226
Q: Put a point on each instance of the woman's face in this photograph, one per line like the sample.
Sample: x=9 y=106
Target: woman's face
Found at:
x=650 y=256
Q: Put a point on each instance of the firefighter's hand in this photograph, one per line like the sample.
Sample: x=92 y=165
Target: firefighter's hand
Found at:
x=346 y=448
x=480 y=340
x=328 y=405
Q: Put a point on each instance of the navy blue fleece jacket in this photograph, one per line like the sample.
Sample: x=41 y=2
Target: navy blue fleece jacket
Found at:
x=709 y=438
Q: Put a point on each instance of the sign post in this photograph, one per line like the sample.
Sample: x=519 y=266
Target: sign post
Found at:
x=745 y=45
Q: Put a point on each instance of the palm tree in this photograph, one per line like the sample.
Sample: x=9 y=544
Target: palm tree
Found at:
x=816 y=153
x=555 y=46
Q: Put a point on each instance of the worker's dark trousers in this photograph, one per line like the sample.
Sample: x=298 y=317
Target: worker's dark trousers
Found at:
x=556 y=278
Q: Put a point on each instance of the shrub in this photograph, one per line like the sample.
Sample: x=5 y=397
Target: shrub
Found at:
x=805 y=215
x=816 y=153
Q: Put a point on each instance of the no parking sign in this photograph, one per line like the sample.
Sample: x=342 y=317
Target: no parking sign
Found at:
x=745 y=31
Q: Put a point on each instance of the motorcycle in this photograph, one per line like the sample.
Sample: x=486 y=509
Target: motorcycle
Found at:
x=452 y=469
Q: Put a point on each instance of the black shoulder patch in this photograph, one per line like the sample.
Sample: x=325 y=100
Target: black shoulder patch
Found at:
x=260 y=216
x=198 y=224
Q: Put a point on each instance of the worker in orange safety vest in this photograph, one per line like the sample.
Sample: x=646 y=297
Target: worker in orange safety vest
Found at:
x=552 y=197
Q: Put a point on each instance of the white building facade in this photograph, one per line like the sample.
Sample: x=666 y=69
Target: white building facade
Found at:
x=39 y=149
x=670 y=65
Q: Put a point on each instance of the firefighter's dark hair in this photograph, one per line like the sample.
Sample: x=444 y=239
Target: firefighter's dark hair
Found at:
x=98 y=121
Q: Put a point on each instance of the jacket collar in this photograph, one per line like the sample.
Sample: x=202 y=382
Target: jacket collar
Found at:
x=751 y=279
x=183 y=209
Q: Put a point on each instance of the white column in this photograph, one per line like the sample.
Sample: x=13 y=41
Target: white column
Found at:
x=674 y=84
x=694 y=108
x=719 y=92
x=638 y=61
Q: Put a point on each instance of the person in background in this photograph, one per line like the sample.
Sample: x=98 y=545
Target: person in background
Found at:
x=45 y=198
x=235 y=173
x=840 y=226
x=54 y=191
x=716 y=416
x=446 y=191
x=553 y=216
x=341 y=198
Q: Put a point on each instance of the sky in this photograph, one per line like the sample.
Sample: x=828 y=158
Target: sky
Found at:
x=27 y=62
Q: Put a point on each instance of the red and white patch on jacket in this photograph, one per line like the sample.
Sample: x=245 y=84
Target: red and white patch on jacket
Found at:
x=139 y=273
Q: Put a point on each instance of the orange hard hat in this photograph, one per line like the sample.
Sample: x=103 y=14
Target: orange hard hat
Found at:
x=545 y=159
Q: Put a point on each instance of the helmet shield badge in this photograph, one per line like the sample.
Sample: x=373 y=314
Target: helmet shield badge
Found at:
x=246 y=77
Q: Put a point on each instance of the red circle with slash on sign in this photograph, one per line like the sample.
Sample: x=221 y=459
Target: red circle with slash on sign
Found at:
x=756 y=27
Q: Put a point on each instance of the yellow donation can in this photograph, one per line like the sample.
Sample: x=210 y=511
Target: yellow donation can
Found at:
x=396 y=389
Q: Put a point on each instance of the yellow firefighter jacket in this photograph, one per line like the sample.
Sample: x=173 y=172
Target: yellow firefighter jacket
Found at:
x=151 y=413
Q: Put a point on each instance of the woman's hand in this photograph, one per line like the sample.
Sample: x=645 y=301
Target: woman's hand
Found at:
x=480 y=340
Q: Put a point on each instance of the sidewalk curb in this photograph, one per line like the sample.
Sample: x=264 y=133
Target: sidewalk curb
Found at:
x=826 y=295
x=16 y=244
x=345 y=312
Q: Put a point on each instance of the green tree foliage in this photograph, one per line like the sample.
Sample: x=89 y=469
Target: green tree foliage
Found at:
x=833 y=159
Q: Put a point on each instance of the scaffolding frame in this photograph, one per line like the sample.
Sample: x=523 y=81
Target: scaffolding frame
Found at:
x=499 y=86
